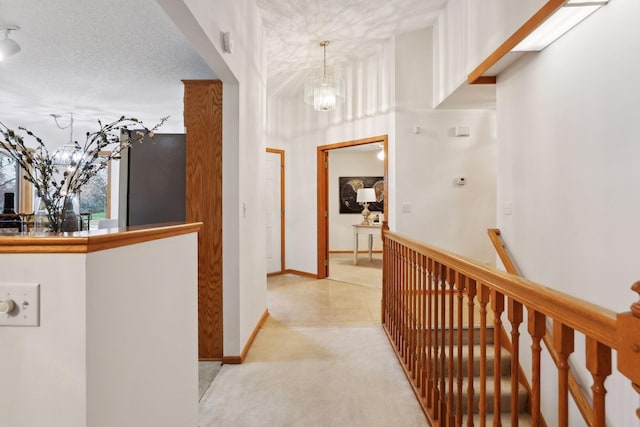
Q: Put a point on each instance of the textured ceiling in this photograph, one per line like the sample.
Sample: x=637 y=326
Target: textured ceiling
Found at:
x=97 y=59
x=357 y=29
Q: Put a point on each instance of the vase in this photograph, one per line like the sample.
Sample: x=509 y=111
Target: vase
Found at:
x=57 y=217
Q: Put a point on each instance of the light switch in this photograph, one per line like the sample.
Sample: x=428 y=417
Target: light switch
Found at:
x=19 y=304
x=406 y=208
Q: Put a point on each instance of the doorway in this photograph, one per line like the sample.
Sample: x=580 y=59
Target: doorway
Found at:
x=323 y=193
x=275 y=211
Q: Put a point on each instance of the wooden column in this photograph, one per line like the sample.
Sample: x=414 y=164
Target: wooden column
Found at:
x=203 y=121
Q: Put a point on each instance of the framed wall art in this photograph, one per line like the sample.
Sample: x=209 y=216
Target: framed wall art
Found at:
x=348 y=192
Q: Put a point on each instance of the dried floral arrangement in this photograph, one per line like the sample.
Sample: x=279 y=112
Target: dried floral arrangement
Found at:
x=57 y=182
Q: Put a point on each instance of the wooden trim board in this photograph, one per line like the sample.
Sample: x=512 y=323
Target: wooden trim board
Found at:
x=203 y=123
x=301 y=273
x=323 y=192
x=236 y=360
x=477 y=76
x=92 y=240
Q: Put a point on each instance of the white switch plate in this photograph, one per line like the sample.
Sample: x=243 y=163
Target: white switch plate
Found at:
x=26 y=297
x=406 y=207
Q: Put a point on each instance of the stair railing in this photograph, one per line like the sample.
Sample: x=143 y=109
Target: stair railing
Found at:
x=557 y=353
x=433 y=301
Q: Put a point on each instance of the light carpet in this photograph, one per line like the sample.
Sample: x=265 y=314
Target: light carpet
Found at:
x=313 y=376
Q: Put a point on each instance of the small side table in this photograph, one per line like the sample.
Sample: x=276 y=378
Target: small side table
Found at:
x=365 y=229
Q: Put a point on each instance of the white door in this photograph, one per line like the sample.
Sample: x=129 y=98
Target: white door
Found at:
x=274 y=213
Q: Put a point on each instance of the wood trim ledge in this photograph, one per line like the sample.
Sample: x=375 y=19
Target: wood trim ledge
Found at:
x=93 y=240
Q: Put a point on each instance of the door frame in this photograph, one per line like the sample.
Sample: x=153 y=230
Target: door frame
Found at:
x=323 y=193
x=282 y=211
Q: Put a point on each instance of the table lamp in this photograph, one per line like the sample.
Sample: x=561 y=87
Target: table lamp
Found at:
x=366 y=196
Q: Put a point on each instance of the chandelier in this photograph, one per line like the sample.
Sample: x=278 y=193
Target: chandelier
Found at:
x=324 y=92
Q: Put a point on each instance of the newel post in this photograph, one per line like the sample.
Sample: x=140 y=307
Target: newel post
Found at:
x=628 y=330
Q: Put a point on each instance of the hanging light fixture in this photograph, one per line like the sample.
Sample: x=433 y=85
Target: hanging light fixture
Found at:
x=324 y=92
x=8 y=47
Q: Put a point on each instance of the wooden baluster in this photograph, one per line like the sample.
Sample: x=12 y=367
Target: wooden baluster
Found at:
x=629 y=343
x=416 y=311
x=407 y=308
x=398 y=295
x=599 y=364
x=423 y=324
x=564 y=346
x=483 y=298
x=410 y=314
x=394 y=293
x=389 y=273
x=385 y=278
x=461 y=282
x=515 y=318
x=443 y=334
x=430 y=403
x=392 y=288
x=414 y=314
x=403 y=305
x=450 y=399
x=497 y=305
x=471 y=294
x=436 y=341
x=537 y=329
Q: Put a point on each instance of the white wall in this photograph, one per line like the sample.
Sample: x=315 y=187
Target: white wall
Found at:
x=301 y=185
x=43 y=369
x=421 y=167
x=568 y=162
x=467 y=31
x=349 y=163
x=142 y=334
x=442 y=213
x=117 y=341
x=244 y=142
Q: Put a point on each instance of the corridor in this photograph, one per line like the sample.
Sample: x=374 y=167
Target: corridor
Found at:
x=321 y=359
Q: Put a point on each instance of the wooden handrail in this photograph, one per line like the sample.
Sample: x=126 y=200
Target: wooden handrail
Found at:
x=432 y=299
x=580 y=315
x=498 y=244
x=576 y=390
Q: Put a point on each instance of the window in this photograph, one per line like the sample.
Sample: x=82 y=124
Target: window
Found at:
x=94 y=197
x=9 y=179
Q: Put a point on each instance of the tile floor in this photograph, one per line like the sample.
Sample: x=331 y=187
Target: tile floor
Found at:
x=364 y=273
x=299 y=301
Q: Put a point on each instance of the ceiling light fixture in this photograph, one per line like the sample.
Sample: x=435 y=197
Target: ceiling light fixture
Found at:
x=565 y=18
x=8 y=47
x=324 y=92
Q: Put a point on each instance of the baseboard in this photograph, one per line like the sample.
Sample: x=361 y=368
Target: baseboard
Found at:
x=277 y=273
x=237 y=360
x=360 y=252
x=301 y=273
x=252 y=337
x=231 y=360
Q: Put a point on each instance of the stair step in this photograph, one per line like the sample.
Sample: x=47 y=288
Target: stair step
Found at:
x=465 y=335
x=524 y=420
x=504 y=356
x=505 y=399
